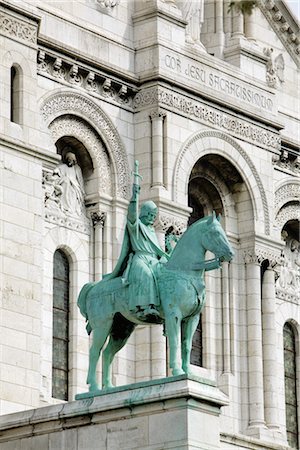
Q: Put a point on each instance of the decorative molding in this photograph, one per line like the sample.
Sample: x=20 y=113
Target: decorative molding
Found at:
x=164 y=222
x=283 y=29
x=107 y=5
x=287 y=193
x=222 y=136
x=260 y=254
x=207 y=115
x=290 y=212
x=73 y=126
x=288 y=162
x=61 y=103
x=72 y=74
x=17 y=28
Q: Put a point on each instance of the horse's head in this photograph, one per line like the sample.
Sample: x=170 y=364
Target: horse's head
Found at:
x=215 y=240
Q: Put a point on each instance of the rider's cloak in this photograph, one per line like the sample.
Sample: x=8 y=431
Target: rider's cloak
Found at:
x=127 y=249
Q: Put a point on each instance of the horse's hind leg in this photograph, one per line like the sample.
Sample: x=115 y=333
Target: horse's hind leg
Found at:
x=100 y=334
x=188 y=328
x=120 y=333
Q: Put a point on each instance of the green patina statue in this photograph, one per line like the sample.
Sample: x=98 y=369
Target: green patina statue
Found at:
x=151 y=286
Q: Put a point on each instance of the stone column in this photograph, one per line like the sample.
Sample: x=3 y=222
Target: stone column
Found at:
x=254 y=327
x=220 y=24
x=98 y=219
x=271 y=368
x=157 y=119
x=237 y=23
x=250 y=25
x=226 y=318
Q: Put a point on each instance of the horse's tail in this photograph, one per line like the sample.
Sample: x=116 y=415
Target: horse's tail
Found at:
x=81 y=302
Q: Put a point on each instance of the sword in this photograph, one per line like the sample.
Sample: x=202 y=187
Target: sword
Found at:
x=136 y=178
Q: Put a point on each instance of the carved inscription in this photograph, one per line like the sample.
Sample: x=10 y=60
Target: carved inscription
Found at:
x=218 y=82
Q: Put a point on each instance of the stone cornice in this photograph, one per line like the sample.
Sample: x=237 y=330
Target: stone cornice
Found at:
x=283 y=25
x=73 y=73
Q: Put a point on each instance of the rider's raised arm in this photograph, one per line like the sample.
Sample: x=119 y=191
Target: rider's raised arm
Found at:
x=132 y=214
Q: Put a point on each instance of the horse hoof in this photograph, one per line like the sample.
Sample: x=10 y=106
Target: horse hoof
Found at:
x=94 y=387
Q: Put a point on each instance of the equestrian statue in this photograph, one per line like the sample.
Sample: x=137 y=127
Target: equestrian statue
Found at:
x=151 y=286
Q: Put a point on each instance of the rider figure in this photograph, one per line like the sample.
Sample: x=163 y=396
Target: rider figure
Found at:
x=140 y=256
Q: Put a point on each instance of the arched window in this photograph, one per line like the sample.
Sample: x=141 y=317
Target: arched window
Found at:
x=15 y=95
x=290 y=381
x=60 y=343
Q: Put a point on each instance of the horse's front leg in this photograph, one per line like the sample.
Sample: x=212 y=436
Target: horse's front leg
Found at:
x=173 y=331
x=188 y=329
x=99 y=337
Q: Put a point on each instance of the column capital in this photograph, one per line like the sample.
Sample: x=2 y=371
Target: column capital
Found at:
x=98 y=218
x=157 y=113
x=259 y=254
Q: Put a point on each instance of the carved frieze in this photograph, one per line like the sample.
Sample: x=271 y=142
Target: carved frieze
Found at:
x=17 y=28
x=77 y=76
x=210 y=116
x=260 y=254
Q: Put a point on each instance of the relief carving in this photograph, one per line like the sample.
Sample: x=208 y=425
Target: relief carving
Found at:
x=64 y=187
x=288 y=281
x=21 y=30
x=274 y=68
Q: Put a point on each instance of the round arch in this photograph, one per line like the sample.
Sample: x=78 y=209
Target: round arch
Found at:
x=78 y=128
x=287 y=202
x=202 y=143
x=63 y=102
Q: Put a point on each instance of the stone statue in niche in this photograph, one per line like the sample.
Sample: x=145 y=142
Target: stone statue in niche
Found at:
x=289 y=275
x=151 y=286
x=65 y=186
x=193 y=13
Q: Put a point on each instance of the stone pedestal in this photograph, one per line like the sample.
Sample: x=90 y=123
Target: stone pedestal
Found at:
x=171 y=413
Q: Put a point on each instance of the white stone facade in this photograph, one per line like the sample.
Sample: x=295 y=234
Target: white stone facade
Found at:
x=213 y=121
